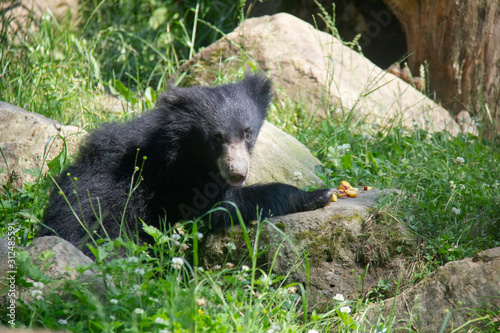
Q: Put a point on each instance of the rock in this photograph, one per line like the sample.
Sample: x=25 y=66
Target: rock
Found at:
x=65 y=259
x=277 y=155
x=4 y=257
x=29 y=141
x=19 y=14
x=314 y=68
x=466 y=123
x=342 y=241
x=60 y=264
x=458 y=287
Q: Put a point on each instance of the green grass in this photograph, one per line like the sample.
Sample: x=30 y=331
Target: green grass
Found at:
x=451 y=205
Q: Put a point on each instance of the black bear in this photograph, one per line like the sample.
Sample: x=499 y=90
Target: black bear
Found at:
x=173 y=163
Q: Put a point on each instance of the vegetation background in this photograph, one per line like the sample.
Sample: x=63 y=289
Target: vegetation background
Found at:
x=130 y=49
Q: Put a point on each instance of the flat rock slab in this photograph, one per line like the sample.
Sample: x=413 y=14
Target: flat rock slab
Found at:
x=343 y=242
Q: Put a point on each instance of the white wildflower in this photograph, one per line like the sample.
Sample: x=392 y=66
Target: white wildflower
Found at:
x=265 y=279
x=452 y=184
x=113 y=301
x=139 y=311
x=160 y=321
x=62 y=322
x=201 y=301
x=460 y=160
x=461 y=187
x=231 y=246
x=38 y=285
x=312 y=331
x=176 y=237
x=139 y=271
x=133 y=259
x=177 y=262
x=339 y=297
x=455 y=210
x=245 y=268
x=200 y=235
x=297 y=175
x=345 y=309
x=343 y=149
x=274 y=329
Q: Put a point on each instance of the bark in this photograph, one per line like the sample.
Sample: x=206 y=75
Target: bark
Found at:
x=460 y=40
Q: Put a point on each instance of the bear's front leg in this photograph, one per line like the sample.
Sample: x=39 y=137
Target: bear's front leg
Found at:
x=273 y=200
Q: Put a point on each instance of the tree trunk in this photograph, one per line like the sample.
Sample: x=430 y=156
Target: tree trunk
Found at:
x=460 y=40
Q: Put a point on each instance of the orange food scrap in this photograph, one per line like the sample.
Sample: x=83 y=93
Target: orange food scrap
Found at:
x=345 y=184
x=334 y=197
x=352 y=192
x=367 y=188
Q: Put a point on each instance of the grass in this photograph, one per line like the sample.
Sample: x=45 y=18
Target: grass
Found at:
x=450 y=185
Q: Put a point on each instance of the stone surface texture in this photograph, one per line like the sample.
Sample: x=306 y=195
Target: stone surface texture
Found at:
x=459 y=287
x=343 y=242
x=28 y=141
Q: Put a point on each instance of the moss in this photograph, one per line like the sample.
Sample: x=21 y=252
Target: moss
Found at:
x=281 y=226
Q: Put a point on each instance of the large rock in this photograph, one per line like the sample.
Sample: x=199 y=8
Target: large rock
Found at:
x=316 y=69
x=343 y=241
x=29 y=141
x=458 y=287
x=277 y=155
x=66 y=257
x=20 y=13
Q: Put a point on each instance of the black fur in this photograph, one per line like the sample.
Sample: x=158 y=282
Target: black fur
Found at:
x=181 y=141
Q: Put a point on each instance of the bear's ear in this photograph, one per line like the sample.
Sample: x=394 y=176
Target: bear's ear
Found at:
x=174 y=98
x=259 y=88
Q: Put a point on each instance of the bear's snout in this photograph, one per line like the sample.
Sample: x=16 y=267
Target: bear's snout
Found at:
x=234 y=163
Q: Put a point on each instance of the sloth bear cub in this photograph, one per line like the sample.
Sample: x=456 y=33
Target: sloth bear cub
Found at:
x=173 y=163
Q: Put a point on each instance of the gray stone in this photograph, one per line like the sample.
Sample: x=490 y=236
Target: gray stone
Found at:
x=277 y=156
x=314 y=68
x=458 y=287
x=28 y=141
x=343 y=241
x=65 y=259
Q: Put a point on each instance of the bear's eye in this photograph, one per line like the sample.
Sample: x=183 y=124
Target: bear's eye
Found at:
x=248 y=135
x=219 y=138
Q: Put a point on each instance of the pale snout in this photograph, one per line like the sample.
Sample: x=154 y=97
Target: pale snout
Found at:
x=234 y=163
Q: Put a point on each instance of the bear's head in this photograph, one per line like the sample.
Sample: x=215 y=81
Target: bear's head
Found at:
x=220 y=124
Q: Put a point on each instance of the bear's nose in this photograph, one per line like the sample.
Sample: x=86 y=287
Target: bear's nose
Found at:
x=237 y=179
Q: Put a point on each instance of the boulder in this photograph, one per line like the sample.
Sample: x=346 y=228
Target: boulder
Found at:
x=20 y=14
x=316 y=69
x=348 y=251
x=277 y=155
x=66 y=257
x=455 y=289
x=29 y=141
